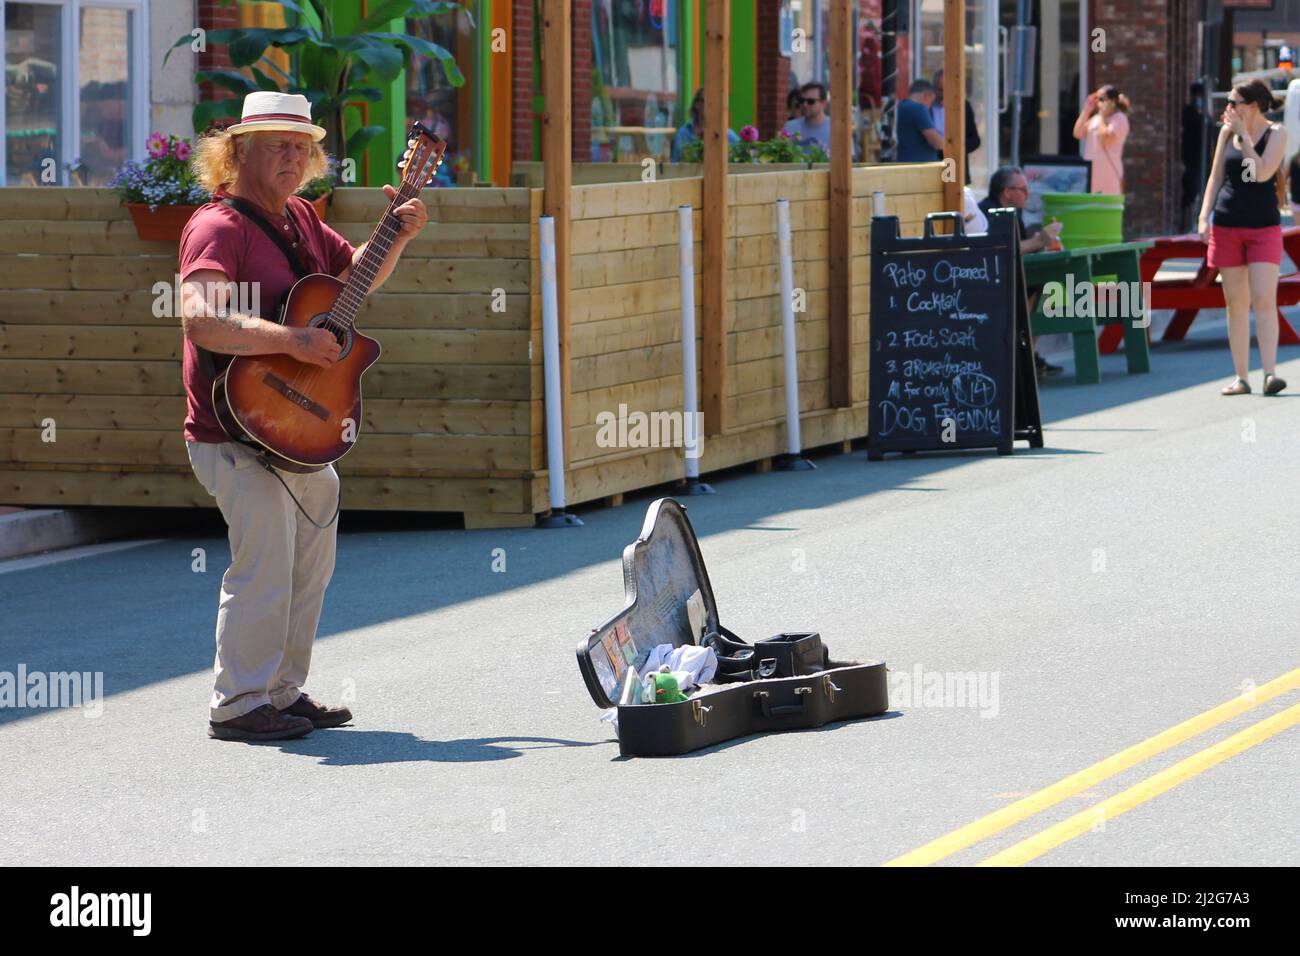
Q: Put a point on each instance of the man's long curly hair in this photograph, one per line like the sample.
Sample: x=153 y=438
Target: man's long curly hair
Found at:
x=216 y=161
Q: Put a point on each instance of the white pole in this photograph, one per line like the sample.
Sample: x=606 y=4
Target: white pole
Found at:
x=551 y=366
x=878 y=203
x=691 y=431
x=794 y=445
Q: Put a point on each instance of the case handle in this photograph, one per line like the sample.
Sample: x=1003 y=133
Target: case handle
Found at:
x=959 y=224
x=783 y=710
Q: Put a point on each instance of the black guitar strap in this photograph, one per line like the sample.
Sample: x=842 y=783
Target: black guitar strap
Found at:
x=249 y=210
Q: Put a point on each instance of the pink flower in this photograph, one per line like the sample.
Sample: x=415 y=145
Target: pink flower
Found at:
x=749 y=134
x=156 y=144
x=182 y=150
x=784 y=134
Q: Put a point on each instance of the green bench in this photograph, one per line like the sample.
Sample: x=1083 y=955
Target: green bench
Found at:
x=1119 y=263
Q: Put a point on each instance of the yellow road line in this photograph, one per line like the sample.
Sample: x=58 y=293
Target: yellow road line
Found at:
x=1138 y=794
x=1077 y=783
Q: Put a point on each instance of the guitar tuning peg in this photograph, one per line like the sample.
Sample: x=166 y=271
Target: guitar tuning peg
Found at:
x=401 y=164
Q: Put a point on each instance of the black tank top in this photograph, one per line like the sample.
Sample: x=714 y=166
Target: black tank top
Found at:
x=1242 y=204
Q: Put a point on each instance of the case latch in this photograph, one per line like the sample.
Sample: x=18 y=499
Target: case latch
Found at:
x=700 y=712
x=829 y=687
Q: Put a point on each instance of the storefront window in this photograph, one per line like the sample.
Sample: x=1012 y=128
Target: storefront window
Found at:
x=445 y=109
x=34 y=78
x=104 y=74
x=633 y=78
x=75 y=100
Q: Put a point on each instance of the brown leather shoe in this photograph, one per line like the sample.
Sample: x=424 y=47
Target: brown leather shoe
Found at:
x=263 y=723
x=319 y=714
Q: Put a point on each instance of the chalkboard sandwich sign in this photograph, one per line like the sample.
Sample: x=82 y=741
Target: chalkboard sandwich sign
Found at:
x=952 y=364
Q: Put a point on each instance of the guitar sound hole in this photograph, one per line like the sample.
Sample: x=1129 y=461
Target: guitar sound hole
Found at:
x=343 y=336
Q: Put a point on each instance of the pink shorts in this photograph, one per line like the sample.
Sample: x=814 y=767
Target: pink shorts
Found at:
x=1239 y=246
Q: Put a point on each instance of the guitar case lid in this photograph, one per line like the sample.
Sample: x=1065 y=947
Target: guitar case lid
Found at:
x=666 y=588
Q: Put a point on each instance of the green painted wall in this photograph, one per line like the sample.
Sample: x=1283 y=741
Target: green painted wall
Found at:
x=479 y=74
x=743 y=103
x=386 y=149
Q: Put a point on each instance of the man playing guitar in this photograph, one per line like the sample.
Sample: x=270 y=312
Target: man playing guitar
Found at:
x=282 y=552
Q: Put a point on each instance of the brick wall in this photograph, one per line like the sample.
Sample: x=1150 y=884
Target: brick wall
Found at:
x=522 y=92
x=521 y=86
x=581 y=39
x=773 y=71
x=1149 y=57
x=213 y=16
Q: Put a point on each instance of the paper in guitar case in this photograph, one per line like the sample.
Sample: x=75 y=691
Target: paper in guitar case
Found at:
x=669 y=600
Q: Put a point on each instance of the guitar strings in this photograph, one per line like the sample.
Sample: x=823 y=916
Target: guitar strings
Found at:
x=387 y=228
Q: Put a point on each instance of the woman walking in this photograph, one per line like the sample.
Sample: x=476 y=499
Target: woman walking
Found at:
x=1103 y=127
x=1240 y=220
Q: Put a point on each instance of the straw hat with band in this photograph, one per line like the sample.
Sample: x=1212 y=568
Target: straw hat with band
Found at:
x=287 y=112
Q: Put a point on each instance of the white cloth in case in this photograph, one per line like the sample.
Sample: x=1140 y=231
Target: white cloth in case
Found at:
x=690 y=664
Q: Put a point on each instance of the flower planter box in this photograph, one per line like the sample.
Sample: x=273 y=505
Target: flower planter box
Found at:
x=163 y=224
x=166 y=223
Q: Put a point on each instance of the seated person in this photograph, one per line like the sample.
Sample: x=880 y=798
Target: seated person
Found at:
x=1009 y=188
x=814 y=124
x=694 y=128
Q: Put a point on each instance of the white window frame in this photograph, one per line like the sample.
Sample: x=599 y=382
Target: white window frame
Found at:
x=70 y=142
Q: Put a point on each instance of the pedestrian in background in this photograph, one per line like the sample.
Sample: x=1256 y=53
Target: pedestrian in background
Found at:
x=972 y=128
x=1196 y=146
x=814 y=125
x=693 y=128
x=1240 y=221
x=919 y=141
x=793 y=106
x=1103 y=126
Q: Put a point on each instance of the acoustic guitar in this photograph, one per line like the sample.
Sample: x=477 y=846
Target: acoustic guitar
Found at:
x=304 y=417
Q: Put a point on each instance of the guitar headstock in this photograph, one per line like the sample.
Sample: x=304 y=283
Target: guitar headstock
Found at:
x=423 y=156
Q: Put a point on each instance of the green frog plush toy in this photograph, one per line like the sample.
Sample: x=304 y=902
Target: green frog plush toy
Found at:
x=663 y=686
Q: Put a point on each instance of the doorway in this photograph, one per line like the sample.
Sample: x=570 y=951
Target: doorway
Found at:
x=1060 y=78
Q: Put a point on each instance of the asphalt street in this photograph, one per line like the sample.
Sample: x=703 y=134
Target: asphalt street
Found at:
x=1135 y=573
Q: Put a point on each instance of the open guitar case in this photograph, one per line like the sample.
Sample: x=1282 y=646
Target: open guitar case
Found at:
x=670 y=601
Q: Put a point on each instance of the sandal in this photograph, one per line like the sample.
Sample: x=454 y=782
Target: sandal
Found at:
x=1239 y=386
x=1273 y=384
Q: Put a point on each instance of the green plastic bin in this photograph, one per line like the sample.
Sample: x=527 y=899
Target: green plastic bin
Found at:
x=1088 y=219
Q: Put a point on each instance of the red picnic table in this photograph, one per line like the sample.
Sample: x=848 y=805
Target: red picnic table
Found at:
x=1189 y=296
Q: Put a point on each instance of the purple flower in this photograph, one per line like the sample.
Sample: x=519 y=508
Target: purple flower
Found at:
x=749 y=134
x=182 y=150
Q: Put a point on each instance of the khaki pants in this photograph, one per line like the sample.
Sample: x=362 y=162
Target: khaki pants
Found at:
x=272 y=593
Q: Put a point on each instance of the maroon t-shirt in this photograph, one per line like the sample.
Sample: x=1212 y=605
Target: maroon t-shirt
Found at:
x=221 y=238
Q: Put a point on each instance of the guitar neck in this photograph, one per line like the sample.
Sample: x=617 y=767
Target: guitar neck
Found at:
x=362 y=277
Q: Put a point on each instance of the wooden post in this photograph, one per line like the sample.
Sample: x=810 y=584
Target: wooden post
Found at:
x=557 y=155
x=954 y=101
x=717 y=74
x=840 y=33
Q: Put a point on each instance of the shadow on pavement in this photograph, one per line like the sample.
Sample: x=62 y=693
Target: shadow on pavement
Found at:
x=351 y=748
